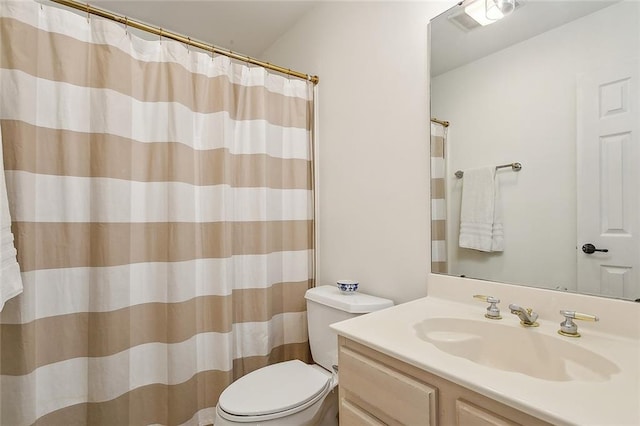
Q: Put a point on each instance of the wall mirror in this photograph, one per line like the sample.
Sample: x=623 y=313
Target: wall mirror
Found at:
x=555 y=87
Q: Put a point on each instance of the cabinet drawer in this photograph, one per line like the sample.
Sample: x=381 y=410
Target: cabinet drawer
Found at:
x=468 y=414
x=387 y=394
x=353 y=415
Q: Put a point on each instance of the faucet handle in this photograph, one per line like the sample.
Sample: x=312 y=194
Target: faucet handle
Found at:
x=568 y=327
x=489 y=299
x=493 y=312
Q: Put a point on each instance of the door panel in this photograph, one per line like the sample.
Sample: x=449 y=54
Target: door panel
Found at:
x=608 y=181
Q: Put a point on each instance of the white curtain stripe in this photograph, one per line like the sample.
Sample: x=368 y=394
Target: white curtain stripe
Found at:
x=438 y=167
x=438 y=209
x=120 y=201
x=109 y=288
x=121 y=116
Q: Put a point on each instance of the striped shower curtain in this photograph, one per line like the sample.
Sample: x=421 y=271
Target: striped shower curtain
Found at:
x=438 y=199
x=162 y=207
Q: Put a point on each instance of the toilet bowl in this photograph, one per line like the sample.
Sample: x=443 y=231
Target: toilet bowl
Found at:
x=293 y=393
x=288 y=393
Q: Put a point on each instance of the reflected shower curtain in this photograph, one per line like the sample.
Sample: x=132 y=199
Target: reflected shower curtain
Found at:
x=162 y=209
x=438 y=199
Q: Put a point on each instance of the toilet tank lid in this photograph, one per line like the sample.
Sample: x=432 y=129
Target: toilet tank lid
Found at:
x=354 y=303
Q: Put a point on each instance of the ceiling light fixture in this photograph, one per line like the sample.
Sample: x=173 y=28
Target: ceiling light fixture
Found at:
x=487 y=12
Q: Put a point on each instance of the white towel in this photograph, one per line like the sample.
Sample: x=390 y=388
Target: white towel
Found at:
x=10 y=280
x=497 y=234
x=480 y=213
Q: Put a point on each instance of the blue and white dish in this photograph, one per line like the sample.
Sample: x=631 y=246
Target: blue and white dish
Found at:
x=348 y=286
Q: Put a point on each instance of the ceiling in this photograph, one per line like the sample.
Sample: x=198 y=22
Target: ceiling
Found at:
x=246 y=27
x=451 y=47
x=249 y=27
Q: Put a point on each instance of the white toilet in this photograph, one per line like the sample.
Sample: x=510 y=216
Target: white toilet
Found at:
x=292 y=392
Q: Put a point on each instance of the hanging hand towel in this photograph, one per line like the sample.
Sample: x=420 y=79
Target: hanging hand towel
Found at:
x=10 y=280
x=477 y=212
x=497 y=234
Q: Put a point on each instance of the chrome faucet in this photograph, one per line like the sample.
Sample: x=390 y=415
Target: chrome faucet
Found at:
x=527 y=316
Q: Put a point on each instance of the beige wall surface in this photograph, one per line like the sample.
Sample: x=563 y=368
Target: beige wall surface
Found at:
x=373 y=145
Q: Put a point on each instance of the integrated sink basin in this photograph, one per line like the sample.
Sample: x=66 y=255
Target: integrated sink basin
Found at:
x=515 y=349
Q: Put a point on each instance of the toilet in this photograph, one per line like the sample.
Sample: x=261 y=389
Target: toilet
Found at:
x=293 y=393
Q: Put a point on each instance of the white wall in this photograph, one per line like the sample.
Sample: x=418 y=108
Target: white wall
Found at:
x=520 y=105
x=373 y=186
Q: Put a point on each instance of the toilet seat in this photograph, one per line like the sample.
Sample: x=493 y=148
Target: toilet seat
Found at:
x=274 y=391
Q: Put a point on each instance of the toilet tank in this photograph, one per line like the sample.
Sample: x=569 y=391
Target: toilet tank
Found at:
x=327 y=305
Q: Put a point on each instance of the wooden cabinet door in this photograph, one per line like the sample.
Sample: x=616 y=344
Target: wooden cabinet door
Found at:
x=388 y=395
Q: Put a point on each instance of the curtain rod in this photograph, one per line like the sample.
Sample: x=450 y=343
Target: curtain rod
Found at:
x=435 y=120
x=182 y=39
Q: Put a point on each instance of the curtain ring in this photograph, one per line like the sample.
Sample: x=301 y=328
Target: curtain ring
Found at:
x=212 y=51
x=88 y=14
x=126 y=25
x=160 y=35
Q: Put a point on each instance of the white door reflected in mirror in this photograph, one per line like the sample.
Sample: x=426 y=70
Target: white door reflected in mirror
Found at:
x=608 y=181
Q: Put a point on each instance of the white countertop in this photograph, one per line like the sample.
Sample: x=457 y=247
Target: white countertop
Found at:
x=613 y=402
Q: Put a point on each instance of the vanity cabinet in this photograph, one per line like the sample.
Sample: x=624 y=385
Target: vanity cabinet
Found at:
x=376 y=389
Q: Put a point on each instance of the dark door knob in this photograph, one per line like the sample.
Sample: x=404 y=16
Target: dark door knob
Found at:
x=590 y=248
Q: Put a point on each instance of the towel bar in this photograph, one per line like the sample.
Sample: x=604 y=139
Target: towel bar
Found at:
x=516 y=167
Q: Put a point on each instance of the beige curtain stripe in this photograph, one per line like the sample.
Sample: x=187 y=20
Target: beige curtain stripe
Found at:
x=437 y=146
x=47 y=245
x=261 y=304
x=66 y=153
x=438 y=229
x=437 y=188
x=198 y=92
x=439 y=267
x=301 y=351
x=112 y=332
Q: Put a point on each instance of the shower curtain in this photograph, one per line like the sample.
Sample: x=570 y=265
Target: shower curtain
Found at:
x=162 y=207
x=438 y=199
